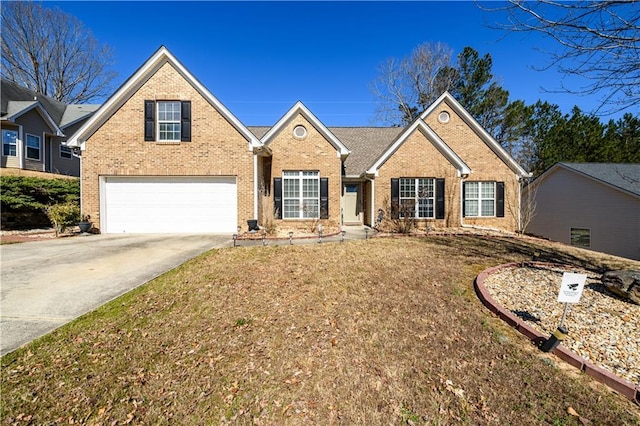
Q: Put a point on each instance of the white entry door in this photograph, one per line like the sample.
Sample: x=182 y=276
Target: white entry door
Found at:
x=351 y=203
x=174 y=204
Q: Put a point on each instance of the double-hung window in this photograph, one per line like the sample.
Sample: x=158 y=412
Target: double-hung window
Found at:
x=9 y=142
x=65 y=151
x=167 y=121
x=300 y=194
x=480 y=199
x=33 y=147
x=417 y=197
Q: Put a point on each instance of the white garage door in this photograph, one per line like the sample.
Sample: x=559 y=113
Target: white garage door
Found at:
x=169 y=204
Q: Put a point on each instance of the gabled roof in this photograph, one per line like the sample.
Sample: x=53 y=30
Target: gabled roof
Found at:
x=479 y=130
x=622 y=176
x=18 y=100
x=365 y=144
x=300 y=108
x=12 y=92
x=15 y=109
x=137 y=80
x=432 y=137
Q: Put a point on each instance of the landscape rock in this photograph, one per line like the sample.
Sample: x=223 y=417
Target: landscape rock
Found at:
x=624 y=283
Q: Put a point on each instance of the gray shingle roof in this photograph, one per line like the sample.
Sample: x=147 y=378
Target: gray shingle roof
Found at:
x=365 y=143
x=623 y=176
x=15 y=98
x=14 y=92
x=76 y=112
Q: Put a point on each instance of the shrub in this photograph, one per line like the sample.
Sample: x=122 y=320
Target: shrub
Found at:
x=268 y=214
x=63 y=216
x=24 y=199
x=397 y=219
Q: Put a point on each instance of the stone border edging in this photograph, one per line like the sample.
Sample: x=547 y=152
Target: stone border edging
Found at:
x=244 y=237
x=616 y=383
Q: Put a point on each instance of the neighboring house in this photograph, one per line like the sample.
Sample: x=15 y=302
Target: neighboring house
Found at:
x=165 y=155
x=34 y=129
x=590 y=205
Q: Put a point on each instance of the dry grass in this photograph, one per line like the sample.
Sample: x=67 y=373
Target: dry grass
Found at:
x=385 y=331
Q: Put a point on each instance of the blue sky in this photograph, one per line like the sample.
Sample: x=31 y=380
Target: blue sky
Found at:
x=259 y=58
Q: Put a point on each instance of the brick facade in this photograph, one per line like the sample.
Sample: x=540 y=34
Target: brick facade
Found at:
x=311 y=153
x=222 y=146
x=484 y=163
x=417 y=157
x=118 y=147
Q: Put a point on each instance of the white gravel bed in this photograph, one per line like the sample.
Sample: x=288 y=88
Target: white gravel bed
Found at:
x=603 y=329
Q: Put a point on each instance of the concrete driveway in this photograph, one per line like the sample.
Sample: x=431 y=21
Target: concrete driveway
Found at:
x=46 y=284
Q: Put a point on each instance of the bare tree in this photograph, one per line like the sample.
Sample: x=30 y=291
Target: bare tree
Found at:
x=406 y=87
x=52 y=53
x=597 y=40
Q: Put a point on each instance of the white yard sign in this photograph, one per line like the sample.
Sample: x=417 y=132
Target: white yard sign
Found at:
x=571 y=288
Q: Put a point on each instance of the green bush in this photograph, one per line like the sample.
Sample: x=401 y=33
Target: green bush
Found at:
x=63 y=216
x=19 y=192
x=24 y=199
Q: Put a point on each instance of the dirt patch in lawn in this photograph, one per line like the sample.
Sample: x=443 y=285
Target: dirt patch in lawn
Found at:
x=384 y=331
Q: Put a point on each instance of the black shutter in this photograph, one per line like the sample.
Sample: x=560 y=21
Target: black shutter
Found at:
x=464 y=198
x=395 y=198
x=277 y=198
x=440 y=198
x=324 y=198
x=185 y=121
x=149 y=120
x=500 y=199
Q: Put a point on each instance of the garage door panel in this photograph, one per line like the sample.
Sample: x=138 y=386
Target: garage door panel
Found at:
x=170 y=204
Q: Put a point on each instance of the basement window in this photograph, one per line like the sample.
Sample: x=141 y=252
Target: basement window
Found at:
x=581 y=237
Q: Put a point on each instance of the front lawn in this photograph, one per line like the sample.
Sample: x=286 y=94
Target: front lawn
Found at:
x=384 y=331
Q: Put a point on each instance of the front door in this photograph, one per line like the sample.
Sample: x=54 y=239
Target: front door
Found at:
x=351 y=203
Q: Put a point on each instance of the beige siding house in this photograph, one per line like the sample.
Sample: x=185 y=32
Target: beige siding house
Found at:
x=590 y=205
x=164 y=155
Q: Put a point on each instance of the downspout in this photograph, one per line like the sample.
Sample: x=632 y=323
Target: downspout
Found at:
x=20 y=149
x=255 y=187
x=373 y=201
x=51 y=156
x=520 y=205
x=44 y=152
x=462 y=225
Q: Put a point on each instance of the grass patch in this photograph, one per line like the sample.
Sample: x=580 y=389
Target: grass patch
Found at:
x=367 y=332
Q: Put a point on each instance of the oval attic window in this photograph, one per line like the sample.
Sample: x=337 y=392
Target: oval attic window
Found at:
x=299 y=132
x=443 y=117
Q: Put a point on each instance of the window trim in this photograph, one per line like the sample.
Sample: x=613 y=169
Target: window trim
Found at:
x=300 y=177
x=479 y=198
x=152 y=121
x=14 y=144
x=416 y=198
x=27 y=147
x=174 y=122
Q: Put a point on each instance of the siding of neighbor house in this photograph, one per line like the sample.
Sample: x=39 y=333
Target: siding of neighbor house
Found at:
x=59 y=164
x=312 y=153
x=566 y=200
x=417 y=157
x=33 y=124
x=118 y=147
